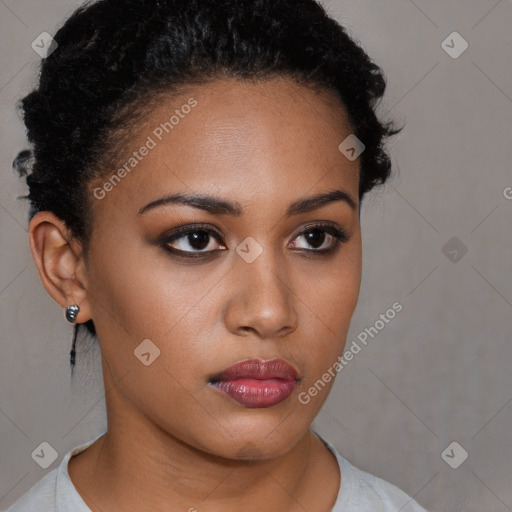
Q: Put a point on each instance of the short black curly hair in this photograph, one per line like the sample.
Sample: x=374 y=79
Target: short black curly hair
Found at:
x=113 y=57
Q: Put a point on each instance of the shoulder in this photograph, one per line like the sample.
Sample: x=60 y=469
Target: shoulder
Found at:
x=373 y=493
x=363 y=492
x=55 y=491
x=40 y=497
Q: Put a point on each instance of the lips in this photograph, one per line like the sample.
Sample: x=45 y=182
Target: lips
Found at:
x=257 y=383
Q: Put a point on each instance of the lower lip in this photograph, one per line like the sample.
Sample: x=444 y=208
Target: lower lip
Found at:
x=257 y=393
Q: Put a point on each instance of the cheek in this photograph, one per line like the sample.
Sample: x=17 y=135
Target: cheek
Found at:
x=330 y=299
x=146 y=296
x=331 y=290
x=134 y=303
x=171 y=305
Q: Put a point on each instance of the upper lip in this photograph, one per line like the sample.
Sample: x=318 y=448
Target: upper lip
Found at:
x=257 y=369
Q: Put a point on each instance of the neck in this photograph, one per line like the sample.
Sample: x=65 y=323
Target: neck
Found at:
x=137 y=465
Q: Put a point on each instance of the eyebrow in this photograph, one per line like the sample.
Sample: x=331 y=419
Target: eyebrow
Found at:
x=219 y=206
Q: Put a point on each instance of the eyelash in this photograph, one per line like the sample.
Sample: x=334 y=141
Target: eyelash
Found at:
x=338 y=235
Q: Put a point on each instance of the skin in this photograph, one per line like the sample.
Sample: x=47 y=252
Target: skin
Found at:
x=174 y=442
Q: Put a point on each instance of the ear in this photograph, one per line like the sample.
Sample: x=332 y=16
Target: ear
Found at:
x=60 y=262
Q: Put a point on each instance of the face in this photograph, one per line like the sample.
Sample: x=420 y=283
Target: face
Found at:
x=249 y=271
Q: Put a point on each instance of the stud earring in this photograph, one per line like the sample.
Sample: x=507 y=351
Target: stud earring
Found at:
x=72 y=312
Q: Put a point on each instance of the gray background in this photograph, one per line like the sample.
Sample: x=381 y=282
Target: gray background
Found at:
x=438 y=372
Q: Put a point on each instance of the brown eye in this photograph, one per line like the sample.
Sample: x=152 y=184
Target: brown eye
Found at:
x=198 y=240
x=317 y=236
x=193 y=241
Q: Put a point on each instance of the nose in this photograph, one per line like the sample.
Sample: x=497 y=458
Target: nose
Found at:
x=262 y=299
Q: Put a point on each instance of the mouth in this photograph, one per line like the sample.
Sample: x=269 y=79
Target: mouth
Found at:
x=256 y=383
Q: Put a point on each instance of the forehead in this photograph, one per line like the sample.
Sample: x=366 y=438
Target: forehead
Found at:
x=229 y=137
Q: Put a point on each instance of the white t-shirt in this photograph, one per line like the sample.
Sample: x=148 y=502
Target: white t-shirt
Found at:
x=359 y=491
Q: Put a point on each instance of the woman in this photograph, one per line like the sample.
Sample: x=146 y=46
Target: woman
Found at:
x=196 y=181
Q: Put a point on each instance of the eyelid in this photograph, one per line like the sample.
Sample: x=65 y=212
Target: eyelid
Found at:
x=330 y=227
x=173 y=234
